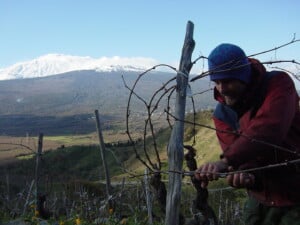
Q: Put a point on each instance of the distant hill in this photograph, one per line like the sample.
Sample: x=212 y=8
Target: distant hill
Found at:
x=62 y=102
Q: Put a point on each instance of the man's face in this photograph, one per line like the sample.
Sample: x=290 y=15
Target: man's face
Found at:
x=231 y=89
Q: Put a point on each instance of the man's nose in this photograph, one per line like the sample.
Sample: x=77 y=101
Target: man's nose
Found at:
x=223 y=88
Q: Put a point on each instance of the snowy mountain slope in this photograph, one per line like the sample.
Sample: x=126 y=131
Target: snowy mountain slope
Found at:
x=52 y=64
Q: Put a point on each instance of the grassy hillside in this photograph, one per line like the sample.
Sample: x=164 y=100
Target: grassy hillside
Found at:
x=83 y=161
x=72 y=158
x=74 y=172
x=206 y=143
x=203 y=140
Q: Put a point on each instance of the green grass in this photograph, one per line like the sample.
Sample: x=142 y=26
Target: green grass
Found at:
x=25 y=157
x=71 y=139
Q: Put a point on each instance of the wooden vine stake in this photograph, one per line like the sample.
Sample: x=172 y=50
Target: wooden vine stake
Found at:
x=148 y=196
x=103 y=156
x=175 y=147
x=37 y=172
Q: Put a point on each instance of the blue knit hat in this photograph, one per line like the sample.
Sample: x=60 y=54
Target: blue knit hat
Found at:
x=229 y=61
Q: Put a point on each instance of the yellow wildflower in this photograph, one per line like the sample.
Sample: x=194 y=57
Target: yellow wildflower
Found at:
x=111 y=211
x=77 y=221
x=124 y=221
x=36 y=213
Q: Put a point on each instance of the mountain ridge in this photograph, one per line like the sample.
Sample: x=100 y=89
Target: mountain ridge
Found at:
x=52 y=64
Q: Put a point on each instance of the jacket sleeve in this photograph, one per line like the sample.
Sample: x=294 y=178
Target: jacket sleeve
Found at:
x=270 y=125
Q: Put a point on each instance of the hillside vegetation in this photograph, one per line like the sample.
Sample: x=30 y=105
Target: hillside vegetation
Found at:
x=76 y=173
x=84 y=161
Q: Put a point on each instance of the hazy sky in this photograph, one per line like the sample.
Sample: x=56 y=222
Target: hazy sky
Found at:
x=147 y=28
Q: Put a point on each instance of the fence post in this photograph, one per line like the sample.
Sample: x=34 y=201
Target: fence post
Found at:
x=175 y=147
x=103 y=156
x=148 y=196
x=37 y=173
x=7 y=184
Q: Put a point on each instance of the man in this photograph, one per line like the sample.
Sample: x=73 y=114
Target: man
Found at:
x=257 y=122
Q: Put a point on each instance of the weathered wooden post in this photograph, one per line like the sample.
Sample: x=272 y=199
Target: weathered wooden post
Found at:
x=148 y=196
x=102 y=151
x=175 y=147
x=37 y=171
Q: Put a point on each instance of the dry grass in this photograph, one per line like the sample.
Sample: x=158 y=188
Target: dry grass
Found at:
x=13 y=147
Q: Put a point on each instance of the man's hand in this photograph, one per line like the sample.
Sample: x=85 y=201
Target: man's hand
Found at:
x=209 y=171
x=240 y=180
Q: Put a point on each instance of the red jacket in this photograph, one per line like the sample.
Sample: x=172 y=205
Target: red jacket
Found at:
x=269 y=113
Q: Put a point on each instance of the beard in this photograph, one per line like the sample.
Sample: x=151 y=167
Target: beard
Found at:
x=231 y=101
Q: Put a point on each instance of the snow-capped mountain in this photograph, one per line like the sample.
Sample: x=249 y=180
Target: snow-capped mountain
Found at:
x=52 y=64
